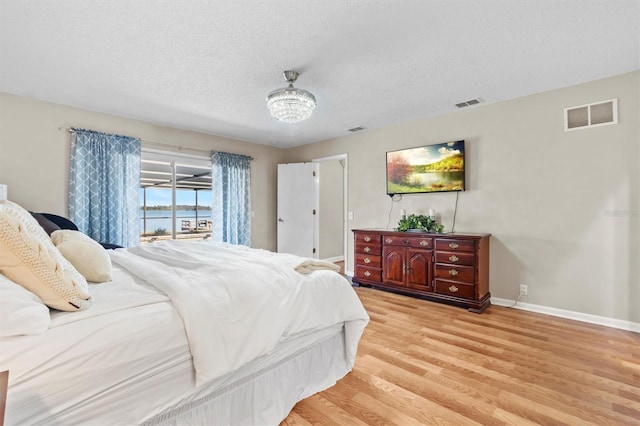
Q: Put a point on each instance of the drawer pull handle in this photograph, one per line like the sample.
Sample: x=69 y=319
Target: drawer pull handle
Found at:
x=368 y=274
x=453 y=289
x=424 y=243
x=453 y=258
x=453 y=272
x=406 y=242
x=388 y=241
x=367 y=249
x=366 y=238
x=367 y=260
x=453 y=245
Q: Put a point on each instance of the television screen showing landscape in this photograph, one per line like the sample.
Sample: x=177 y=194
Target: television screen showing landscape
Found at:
x=431 y=168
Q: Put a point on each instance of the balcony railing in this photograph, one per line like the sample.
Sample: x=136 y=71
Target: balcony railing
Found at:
x=156 y=227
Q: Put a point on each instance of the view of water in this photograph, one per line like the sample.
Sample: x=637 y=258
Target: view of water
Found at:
x=162 y=219
x=446 y=178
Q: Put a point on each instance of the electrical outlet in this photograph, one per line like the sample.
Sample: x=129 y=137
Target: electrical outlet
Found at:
x=524 y=291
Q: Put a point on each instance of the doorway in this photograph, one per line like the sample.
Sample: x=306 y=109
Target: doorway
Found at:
x=331 y=198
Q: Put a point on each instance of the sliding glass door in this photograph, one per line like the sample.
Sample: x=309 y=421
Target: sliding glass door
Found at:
x=175 y=196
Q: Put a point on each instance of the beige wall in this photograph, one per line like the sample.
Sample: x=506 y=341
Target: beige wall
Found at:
x=34 y=156
x=563 y=207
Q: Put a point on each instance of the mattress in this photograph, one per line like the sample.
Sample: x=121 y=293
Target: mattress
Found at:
x=127 y=360
x=80 y=368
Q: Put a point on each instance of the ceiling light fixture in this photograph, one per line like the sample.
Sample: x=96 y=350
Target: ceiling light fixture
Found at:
x=289 y=104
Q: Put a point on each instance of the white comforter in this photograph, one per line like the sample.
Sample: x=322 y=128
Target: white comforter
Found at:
x=238 y=303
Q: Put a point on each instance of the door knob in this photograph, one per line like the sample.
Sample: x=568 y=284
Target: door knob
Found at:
x=280 y=219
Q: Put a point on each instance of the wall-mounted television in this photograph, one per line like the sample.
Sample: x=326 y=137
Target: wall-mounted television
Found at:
x=430 y=168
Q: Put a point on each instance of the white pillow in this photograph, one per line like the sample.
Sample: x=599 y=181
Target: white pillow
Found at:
x=84 y=253
x=29 y=258
x=21 y=312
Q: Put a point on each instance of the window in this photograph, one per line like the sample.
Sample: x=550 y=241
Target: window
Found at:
x=175 y=196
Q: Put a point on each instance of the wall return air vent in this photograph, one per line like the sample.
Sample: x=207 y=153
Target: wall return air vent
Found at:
x=591 y=115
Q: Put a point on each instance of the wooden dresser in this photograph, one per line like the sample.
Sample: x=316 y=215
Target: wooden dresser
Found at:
x=448 y=268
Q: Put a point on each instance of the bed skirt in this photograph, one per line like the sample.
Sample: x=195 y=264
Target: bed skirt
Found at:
x=267 y=396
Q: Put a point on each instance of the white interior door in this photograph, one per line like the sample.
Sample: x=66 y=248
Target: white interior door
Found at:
x=296 y=208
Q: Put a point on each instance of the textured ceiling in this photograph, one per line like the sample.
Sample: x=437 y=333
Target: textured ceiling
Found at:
x=208 y=65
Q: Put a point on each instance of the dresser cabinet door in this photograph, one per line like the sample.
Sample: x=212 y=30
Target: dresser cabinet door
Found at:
x=419 y=269
x=393 y=265
x=407 y=267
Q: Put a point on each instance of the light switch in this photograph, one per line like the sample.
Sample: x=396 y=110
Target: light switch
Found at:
x=350 y=215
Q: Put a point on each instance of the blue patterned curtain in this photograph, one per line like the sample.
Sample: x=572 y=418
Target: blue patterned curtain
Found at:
x=104 y=183
x=231 y=188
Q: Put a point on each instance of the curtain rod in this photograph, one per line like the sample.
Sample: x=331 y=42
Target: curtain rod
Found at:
x=179 y=147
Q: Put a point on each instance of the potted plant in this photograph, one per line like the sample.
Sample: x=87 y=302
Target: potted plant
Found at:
x=419 y=223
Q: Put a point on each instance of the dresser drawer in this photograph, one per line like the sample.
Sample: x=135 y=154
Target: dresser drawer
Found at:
x=366 y=238
x=455 y=289
x=464 y=274
x=455 y=245
x=408 y=241
x=368 y=248
x=365 y=273
x=455 y=258
x=368 y=260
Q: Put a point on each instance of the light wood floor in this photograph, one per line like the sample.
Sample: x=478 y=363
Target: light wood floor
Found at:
x=426 y=363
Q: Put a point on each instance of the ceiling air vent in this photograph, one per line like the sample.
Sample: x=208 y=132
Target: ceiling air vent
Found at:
x=357 y=129
x=468 y=103
x=591 y=115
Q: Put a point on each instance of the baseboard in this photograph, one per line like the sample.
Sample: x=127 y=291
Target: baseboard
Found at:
x=578 y=316
x=334 y=259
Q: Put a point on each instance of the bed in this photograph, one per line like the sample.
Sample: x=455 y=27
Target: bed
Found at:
x=182 y=333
